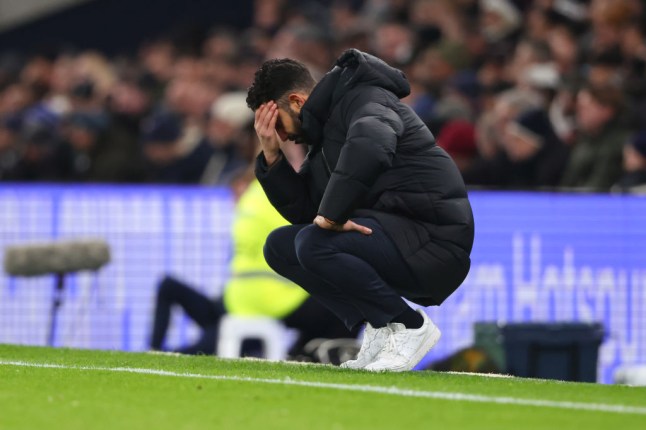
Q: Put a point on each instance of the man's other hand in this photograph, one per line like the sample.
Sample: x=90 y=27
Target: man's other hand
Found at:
x=349 y=225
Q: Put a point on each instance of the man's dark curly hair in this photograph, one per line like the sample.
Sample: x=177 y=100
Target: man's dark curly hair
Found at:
x=275 y=79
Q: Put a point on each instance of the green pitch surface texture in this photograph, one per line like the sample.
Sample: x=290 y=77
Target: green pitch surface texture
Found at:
x=44 y=388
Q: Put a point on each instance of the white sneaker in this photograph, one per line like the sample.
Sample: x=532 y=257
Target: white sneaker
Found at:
x=374 y=340
x=406 y=347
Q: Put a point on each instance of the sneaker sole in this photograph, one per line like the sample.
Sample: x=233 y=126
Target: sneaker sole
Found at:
x=431 y=341
x=350 y=366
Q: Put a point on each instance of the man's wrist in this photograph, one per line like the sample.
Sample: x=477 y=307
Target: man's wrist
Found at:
x=329 y=221
x=272 y=159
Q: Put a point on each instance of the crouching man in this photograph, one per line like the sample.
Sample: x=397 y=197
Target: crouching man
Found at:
x=378 y=210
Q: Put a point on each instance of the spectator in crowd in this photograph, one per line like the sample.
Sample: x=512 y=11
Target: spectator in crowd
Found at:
x=36 y=74
x=608 y=20
x=157 y=58
x=172 y=154
x=633 y=48
x=94 y=156
x=633 y=178
x=501 y=22
x=394 y=42
x=253 y=289
x=129 y=102
x=190 y=96
x=458 y=139
x=9 y=149
x=535 y=155
x=303 y=41
x=220 y=44
x=532 y=155
x=228 y=118
x=269 y=15
x=562 y=41
x=488 y=168
x=595 y=161
x=16 y=99
x=60 y=83
x=433 y=69
x=42 y=157
x=528 y=54
x=348 y=24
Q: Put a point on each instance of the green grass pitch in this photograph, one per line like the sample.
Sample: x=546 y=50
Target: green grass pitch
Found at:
x=44 y=388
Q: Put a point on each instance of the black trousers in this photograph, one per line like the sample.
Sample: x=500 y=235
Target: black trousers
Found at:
x=311 y=319
x=352 y=274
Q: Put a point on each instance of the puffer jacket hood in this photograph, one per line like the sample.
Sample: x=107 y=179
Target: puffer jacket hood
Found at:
x=353 y=68
x=369 y=70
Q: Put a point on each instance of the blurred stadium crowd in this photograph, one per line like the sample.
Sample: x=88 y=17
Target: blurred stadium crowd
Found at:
x=523 y=94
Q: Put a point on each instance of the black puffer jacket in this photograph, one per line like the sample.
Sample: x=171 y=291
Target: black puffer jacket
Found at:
x=371 y=155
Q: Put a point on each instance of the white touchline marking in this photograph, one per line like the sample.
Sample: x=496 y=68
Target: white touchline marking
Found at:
x=483 y=375
x=599 y=407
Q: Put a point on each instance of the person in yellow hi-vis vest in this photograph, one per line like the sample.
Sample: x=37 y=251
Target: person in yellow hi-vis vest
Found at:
x=253 y=289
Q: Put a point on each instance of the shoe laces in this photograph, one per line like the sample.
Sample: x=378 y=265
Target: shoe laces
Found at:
x=391 y=345
x=370 y=335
